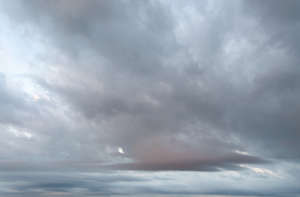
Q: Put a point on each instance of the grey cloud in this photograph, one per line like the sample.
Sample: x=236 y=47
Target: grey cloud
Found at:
x=126 y=184
x=133 y=38
x=55 y=184
x=14 y=109
x=178 y=85
x=226 y=162
x=210 y=99
x=280 y=20
x=144 y=28
x=276 y=11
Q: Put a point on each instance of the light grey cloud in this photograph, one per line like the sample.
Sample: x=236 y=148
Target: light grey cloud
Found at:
x=14 y=110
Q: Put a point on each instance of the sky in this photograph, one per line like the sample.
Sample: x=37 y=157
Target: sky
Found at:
x=143 y=98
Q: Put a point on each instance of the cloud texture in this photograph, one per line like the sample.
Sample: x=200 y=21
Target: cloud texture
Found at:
x=207 y=87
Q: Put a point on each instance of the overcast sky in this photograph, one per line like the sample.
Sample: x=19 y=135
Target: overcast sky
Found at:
x=148 y=98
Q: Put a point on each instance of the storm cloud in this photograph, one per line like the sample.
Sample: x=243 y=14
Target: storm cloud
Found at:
x=180 y=87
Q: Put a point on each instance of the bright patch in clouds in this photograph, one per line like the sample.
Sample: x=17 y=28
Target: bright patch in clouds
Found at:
x=262 y=171
x=20 y=133
x=120 y=150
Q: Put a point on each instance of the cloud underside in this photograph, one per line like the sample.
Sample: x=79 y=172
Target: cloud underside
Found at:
x=229 y=162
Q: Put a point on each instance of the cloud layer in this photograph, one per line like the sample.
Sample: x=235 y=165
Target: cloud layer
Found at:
x=178 y=86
